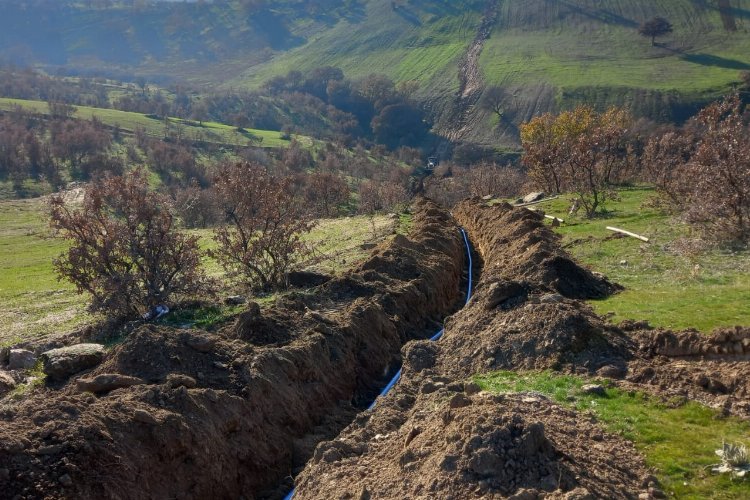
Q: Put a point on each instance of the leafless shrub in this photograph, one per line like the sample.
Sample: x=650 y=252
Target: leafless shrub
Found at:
x=265 y=223
x=704 y=171
x=125 y=250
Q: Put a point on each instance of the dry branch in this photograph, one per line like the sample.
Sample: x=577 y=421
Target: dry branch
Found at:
x=628 y=233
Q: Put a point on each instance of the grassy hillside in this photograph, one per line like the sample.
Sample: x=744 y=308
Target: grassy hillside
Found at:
x=420 y=41
x=582 y=43
x=36 y=304
x=549 y=54
x=668 y=282
x=155 y=127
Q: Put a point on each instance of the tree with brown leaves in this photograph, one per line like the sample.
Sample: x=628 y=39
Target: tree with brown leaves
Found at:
x=580 y=150
x=265 y=223
x=125 y=249
x=326 y=192
x=712 y=175
x=721 y=166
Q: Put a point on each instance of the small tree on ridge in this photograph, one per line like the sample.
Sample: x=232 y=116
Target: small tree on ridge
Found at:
x=265 y=222
x=656 y=27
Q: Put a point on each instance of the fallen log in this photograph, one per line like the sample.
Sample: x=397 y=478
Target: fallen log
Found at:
x=628 y=233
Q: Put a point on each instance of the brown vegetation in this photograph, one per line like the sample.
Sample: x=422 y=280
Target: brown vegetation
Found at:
x=580 y=151
x=265 y=224
x=704 y=170
x=125 y=250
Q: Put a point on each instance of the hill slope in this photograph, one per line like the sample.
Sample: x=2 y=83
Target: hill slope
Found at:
x=546 y=54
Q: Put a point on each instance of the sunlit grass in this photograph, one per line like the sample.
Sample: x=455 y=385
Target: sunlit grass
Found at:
x=36 y=304
x=678 y=440
x=664 y=285
x=129 y=122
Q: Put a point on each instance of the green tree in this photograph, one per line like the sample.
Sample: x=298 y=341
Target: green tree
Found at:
x=656 y=27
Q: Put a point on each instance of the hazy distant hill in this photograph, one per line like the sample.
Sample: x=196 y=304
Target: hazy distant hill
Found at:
x=546 y=54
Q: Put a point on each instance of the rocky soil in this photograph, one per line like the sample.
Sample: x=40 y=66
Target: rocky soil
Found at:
x=187 y=414
x=236 y=414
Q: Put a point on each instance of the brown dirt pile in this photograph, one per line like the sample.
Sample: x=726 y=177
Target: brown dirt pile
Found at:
x=230 y=415
x=517 y=246
x=457 y=446
x=433 y=436
x=713 y=369
x=523 y=316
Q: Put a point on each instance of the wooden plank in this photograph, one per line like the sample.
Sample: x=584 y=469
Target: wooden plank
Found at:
x=628 y=233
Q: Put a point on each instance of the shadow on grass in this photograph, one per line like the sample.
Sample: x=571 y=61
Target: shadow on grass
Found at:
x=601 y=15
x=716 y=61
x=409 y=16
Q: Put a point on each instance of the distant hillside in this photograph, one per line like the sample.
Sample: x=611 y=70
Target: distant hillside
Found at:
x=545 y=54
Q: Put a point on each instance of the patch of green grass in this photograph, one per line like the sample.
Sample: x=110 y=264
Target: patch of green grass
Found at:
x=205 y=318
x=34 y=301
x=129 y=122
x=338 y=244
x=665 y=285
x=405 y=223
x=678 y=440
x=36 y=304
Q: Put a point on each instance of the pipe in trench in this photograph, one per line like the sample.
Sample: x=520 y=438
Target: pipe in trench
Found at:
x=436 y=337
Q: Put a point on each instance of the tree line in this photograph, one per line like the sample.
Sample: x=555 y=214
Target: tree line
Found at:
x=322 y=103
x=701 y=170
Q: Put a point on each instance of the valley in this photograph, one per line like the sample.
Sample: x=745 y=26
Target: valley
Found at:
x=374 y=249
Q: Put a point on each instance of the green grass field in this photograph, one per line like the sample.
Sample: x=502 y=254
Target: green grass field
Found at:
x=419 y=42
x=679 y=440
x=665 y=285
x=582 y=43
x=129 y=122
x=566 y=44
x=36 y=304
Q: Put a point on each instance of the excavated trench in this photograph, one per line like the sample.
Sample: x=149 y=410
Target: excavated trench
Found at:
x=436 y=435
x=187 y=414
x=238 y=413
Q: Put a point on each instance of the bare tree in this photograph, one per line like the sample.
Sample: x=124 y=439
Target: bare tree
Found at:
x=326 y=192
x=125 y=250
x=494 y=99
x=265 y=223
x=704 y=170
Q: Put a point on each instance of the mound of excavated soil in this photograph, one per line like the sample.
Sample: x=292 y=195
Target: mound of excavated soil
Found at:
x=428 y=439
x=524 y=316
x=235 y=414
x=456 y=446
x=517 y=246
x=231 y=415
